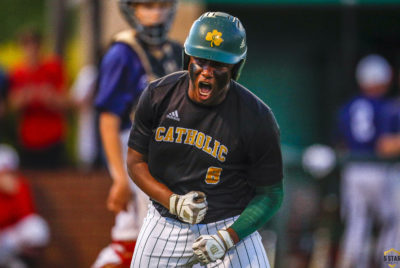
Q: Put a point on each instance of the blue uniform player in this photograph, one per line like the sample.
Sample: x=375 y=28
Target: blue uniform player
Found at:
x=389 y=147
x=135 y=57
x=364 y=187
x=360 y=124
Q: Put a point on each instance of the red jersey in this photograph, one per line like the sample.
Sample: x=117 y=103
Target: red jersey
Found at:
x=16 y=206
x=40 y=126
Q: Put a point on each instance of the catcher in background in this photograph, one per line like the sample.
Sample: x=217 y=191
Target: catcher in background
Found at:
x=207 y=152
x=135 y=57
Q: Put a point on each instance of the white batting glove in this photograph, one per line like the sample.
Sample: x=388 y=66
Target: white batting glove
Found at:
x=190 y=208
x=209 y=248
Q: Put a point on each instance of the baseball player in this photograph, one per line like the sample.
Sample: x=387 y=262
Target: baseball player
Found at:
x=388 y=146
x=207 y=152
x=365 y=189
x=135 y=57
x=24 y=234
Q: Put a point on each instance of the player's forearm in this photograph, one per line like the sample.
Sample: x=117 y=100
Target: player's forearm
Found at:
x=138 y=170
x=109 y=132
x=260 y=209
x=389 y=146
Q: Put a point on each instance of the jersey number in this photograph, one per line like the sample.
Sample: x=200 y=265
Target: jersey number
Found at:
x=213 y=175
x=362 y=121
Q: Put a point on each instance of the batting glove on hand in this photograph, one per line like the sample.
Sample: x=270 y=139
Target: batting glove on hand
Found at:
x=209 y=248
x=190 y=208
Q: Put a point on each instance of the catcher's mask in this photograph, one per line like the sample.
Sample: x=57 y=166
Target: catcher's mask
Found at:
x=152 y=35
x=217 y=36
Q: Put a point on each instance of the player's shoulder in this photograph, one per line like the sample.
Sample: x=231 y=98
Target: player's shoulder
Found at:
x=161 y=90
x=250 y=101
x=119 y=50
x=254 y=112
x=168 y=81
x=361 y=101
x=119 y=56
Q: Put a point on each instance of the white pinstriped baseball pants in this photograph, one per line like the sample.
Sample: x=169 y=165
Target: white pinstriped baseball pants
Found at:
x=165 y=242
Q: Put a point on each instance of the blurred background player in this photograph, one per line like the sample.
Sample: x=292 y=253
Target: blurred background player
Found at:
x=37 y=94
x=365 y=189
x=23 y=233
x=135 y=57
x=389 y=148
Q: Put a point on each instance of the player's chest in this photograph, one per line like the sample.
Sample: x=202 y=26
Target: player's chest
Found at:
x=211 y=135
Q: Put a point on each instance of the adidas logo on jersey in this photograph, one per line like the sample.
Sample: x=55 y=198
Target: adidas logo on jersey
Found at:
x=174 y=116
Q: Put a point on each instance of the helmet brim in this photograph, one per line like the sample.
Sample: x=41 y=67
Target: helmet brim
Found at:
x=213 y=54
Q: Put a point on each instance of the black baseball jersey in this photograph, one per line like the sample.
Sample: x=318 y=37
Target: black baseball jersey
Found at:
x=225 y=151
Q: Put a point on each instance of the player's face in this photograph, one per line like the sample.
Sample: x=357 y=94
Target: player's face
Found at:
x=209 y=80
x=152 y=13
x=375 y=90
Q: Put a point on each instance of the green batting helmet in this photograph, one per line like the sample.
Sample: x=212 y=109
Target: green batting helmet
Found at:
x=217 y=36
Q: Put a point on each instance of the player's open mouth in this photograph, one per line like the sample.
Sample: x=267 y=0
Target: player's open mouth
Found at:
x=205 y=89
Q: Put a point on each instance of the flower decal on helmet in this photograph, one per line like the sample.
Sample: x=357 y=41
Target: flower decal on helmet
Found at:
x=214 y=37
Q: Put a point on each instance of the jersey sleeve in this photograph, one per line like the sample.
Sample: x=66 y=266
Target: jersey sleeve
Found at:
x=141 y=131
x=265 y=157
x=121 y=80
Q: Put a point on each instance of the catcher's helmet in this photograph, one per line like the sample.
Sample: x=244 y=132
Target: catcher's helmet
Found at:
x=217 y=36
x=153 y=35
x=373 y=70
